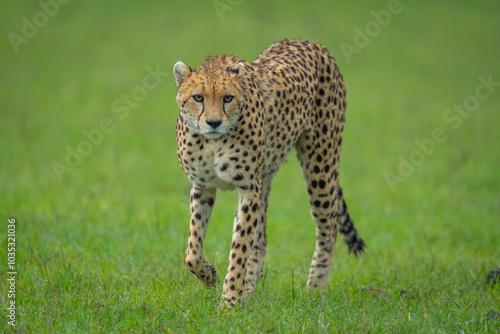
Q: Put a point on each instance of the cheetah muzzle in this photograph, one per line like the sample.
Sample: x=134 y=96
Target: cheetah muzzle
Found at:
x=238 y=122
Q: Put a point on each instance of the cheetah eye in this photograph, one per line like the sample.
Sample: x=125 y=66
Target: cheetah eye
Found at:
x=198 y=98
x=227 y=98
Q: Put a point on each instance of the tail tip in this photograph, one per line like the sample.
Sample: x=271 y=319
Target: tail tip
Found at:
x=357 y=246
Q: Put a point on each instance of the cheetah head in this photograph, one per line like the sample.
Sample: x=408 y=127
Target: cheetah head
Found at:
x=211 y=97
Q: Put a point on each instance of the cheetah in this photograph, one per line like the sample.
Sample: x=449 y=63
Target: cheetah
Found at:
x=237 y=123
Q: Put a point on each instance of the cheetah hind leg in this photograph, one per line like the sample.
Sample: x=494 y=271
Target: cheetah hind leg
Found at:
x=328 y=208
x=327 y=225
x=321 y=189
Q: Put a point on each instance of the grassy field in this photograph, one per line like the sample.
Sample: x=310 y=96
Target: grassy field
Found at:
x=101 y=223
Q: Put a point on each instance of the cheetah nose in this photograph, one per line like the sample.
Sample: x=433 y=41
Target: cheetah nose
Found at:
x=214 y=123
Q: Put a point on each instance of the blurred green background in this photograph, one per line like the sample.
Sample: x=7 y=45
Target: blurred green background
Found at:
x=125 y=204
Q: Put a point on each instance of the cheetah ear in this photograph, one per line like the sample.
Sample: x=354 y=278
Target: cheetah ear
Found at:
x=181 y=72
x=238 y=71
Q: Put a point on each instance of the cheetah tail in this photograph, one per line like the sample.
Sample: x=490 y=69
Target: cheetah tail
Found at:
x=346 y=227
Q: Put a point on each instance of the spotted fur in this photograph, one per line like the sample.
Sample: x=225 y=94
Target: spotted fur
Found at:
x=238 y=122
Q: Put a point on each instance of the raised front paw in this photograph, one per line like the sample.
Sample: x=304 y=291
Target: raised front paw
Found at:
x=208 y=277
x=204 y=272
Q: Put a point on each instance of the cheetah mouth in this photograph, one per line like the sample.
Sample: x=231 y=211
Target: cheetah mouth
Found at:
x=212 y=135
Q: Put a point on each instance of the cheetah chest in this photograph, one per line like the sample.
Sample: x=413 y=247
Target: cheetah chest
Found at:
x=214 y=164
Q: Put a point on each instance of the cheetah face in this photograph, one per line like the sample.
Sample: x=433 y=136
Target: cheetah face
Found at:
x=210 y=99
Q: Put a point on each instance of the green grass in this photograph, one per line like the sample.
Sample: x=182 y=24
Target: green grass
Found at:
x=102 y=249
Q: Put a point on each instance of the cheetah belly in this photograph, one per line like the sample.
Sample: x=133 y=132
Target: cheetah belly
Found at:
x=221 y=184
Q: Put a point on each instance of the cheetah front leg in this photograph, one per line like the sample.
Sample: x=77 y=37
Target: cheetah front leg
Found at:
x=245 y=224
x=258 y=253
x=201 y=203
